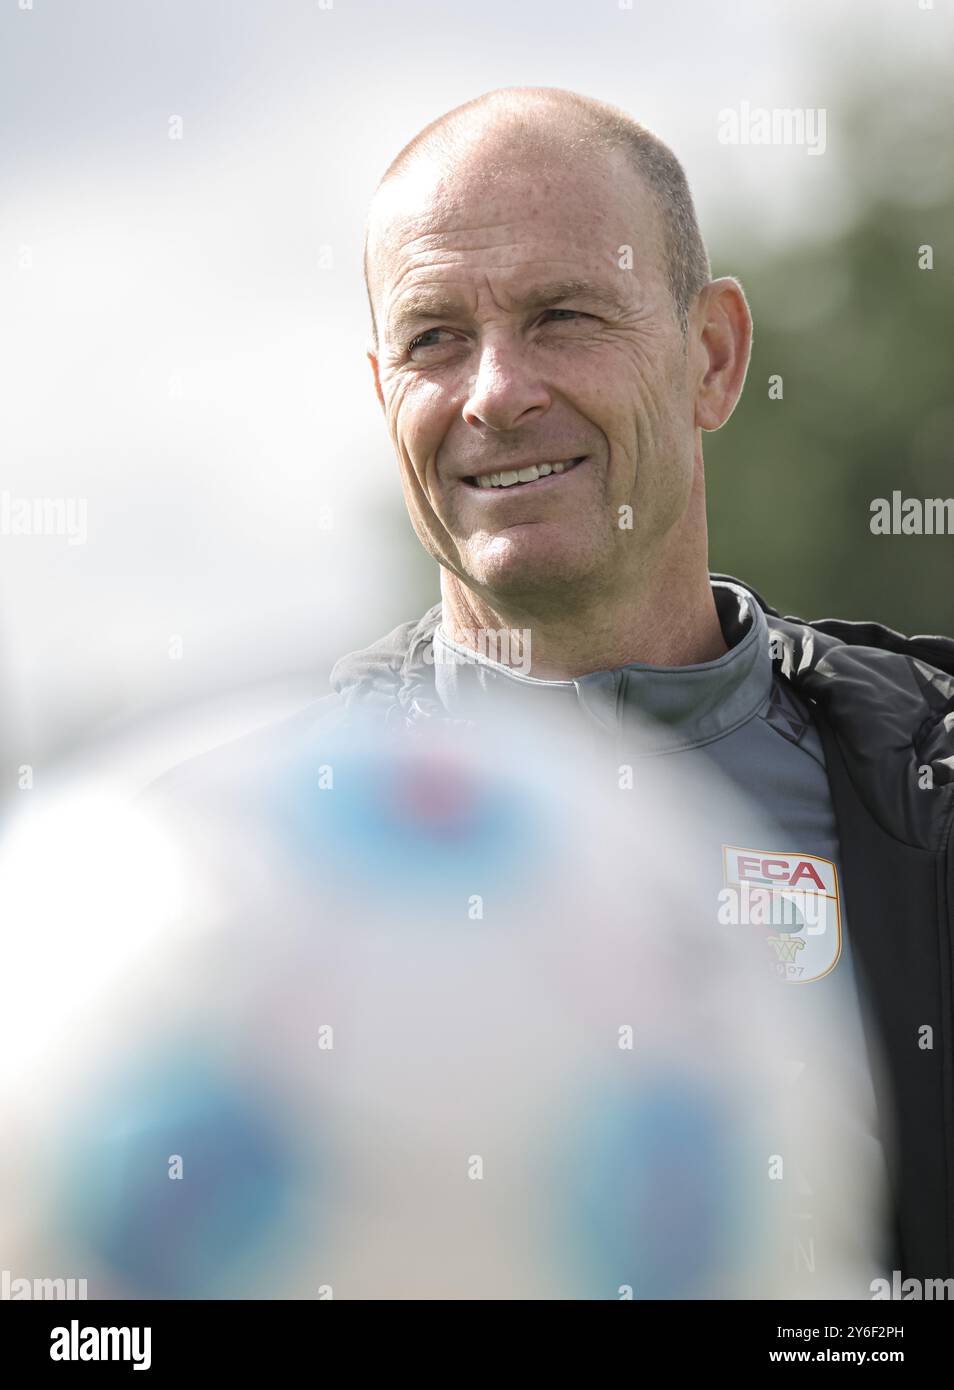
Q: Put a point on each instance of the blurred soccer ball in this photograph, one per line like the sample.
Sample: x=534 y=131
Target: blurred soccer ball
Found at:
x=445 y=1014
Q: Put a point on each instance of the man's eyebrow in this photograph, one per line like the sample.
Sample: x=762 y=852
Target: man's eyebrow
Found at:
x=425 y=304
x=555 y=290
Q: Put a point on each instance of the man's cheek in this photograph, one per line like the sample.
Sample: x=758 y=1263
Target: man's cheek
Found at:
x=396 y=399
x=420 y=492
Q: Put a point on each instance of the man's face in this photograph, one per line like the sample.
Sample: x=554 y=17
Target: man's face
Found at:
x=513 y=334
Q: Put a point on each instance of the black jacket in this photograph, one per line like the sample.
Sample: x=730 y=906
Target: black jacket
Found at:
x=884 y=708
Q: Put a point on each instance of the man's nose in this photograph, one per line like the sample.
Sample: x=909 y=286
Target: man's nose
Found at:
x=506 y=390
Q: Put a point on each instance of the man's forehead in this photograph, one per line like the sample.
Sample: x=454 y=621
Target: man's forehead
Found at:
x=443 y=198
x=431 y=226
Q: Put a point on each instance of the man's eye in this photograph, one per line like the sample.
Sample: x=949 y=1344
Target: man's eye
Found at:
x=420 y=340
x=429 y=337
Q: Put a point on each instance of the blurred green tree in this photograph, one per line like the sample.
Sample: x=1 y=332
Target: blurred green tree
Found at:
x=862 y=338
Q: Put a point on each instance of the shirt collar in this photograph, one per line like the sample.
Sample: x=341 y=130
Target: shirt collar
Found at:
x=687 y=706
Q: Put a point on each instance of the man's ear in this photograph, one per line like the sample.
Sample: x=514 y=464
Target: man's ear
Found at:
x=722 y=326
x=372 y=358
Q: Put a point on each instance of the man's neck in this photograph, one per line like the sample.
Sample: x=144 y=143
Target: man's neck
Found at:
x=676 y=624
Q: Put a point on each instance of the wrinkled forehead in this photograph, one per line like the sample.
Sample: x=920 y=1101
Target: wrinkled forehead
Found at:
x=513 y=216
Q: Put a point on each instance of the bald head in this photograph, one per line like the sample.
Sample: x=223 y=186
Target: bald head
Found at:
x=547 y=127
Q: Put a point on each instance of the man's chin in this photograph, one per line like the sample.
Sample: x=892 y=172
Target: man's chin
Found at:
x=531 y=575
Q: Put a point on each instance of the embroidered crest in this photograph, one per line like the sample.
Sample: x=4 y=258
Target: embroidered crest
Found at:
x=793 y=900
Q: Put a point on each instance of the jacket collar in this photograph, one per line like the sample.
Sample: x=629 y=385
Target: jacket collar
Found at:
x=686 y=706
x=889 y=700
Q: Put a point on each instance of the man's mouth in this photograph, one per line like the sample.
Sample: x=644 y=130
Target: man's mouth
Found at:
x=524 y=477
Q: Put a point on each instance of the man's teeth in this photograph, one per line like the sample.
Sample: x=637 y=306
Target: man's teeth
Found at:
x=525 y=475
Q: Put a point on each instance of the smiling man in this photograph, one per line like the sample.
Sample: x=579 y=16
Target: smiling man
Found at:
x=548 y=347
